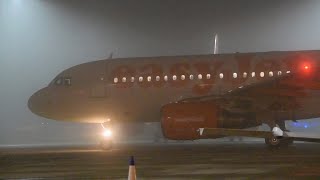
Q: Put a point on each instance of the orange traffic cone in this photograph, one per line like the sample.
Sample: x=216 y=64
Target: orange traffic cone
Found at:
x=132 y=169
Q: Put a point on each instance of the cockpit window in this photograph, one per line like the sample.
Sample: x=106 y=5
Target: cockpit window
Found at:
x=67 y=81
x=58 y=81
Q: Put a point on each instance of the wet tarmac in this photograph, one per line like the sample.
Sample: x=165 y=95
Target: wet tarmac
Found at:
x=163 y=161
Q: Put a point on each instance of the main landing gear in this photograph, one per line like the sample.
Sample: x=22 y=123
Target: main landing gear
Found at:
x=106 y=142
x=278 y=139
x=276 y=142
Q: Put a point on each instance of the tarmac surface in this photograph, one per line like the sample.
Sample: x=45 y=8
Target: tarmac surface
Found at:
x=163 y=161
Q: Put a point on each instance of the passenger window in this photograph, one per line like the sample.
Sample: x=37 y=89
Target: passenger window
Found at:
x=115 y=80
x=279 y=73
x=261 y=74
x=67 y=81
x=253 y=74
x=174 y=77
x=140 y=79
x=149 y=78
x=288 y=72
x=191 y=77
x=165 y=78
x=270 y=74
x=157 y=78
x=208 y=76
x=235 y=75
x=124 y=79
x=199 y=76
x=245 y=75
x=183 y=77
x=221 y=75
x=132 y=79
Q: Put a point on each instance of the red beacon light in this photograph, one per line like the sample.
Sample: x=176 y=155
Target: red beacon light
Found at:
x=306 y=69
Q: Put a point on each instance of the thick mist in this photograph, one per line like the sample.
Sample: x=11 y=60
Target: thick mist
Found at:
x=39 y=39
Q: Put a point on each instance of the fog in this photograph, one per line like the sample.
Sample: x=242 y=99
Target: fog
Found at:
x=39 y=39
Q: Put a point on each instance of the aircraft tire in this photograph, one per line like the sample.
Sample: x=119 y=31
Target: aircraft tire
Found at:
x=275 y=142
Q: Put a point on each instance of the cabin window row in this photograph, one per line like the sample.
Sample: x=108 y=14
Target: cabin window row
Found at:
x=192 y=77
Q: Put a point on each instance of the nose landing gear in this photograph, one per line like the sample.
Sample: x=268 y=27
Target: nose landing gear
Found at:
x=106 y=142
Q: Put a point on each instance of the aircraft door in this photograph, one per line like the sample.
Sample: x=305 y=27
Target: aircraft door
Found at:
x=99 y=87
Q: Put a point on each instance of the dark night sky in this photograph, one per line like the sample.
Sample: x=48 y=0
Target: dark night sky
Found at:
x=41 y=38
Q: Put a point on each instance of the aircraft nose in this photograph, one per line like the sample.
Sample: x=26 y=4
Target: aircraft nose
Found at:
x=38 y=102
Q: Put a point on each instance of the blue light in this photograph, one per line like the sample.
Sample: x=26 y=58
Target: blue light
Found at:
x=305 y=126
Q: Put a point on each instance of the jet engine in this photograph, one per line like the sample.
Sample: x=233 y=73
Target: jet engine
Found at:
x=181 y=121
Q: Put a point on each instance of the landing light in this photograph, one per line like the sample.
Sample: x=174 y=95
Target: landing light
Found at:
x=107 y=133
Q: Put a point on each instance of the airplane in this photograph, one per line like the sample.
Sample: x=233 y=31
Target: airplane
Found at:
x=193 y=96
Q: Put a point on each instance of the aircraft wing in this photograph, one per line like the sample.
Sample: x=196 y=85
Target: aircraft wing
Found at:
x=288 y=85
x=274 y=93
x=277 y=86
x=281 y=93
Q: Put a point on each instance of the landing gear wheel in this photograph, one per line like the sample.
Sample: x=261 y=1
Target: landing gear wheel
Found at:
x=106 y=144
x=275 y=142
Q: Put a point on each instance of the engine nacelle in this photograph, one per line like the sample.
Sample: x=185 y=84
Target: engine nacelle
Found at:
x=181 y=121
